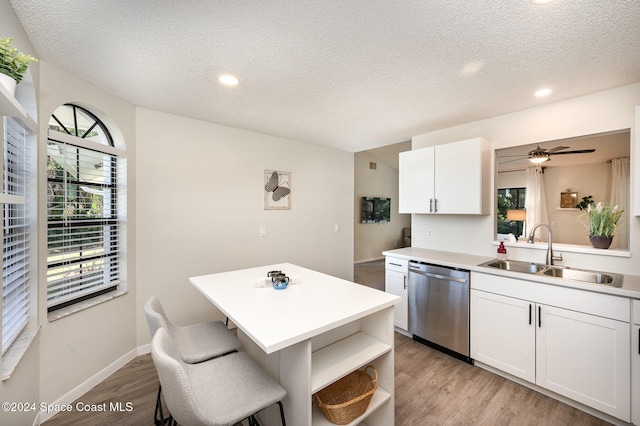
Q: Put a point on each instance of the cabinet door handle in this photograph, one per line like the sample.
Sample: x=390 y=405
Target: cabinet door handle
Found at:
x=435 y=205
x=530 y=311
x=430 y=205
x=539 y=316
x=639 y=341
x=405 y=282
x=394 y=264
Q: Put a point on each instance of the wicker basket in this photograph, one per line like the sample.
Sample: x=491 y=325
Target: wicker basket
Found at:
x=349 y=397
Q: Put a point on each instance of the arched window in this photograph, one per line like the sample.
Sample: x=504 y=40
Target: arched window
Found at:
x=85 y=208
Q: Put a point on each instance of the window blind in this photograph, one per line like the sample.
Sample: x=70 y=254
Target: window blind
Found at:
x=15 y=232
x=83 y=229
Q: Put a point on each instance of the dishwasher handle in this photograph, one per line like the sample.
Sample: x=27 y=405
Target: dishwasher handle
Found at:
x=438 y=276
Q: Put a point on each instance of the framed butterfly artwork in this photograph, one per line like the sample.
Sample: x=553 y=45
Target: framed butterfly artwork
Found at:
x=277 y=190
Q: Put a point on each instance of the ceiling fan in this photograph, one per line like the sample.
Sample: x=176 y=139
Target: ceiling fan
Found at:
x=540 y=155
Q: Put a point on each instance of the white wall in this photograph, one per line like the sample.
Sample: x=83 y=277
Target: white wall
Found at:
x=595 y=113
x=585 y=180
x=372 y=239
x=200 y=201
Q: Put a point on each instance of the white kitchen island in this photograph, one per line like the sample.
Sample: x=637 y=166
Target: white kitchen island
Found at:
x=309 y=335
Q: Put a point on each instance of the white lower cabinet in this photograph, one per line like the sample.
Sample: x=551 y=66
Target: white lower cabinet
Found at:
x=571 y=342
x=584 y=357
x=396 y=277
x=501 y=335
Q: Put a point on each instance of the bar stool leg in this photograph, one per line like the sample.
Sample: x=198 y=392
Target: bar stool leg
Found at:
x=254 y=422
x=158 y=415
x=284 y=423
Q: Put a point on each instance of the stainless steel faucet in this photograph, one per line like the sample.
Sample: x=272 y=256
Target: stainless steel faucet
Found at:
x=550 y=257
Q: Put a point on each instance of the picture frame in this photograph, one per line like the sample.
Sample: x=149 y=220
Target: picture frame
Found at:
x=375 y=210
x=568 y=200
x=277 y=190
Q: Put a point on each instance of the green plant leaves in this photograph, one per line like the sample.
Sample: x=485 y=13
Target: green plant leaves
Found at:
x=12 y=62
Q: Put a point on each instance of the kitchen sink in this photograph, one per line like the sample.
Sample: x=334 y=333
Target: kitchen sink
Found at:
x=515 y=266
x=573 y=274
x=594 y=277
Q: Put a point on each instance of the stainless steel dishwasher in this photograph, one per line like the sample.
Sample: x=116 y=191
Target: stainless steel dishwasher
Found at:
x=439 y=307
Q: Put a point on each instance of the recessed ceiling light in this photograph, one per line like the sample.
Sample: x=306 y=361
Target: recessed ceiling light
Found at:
x=228 y=80
x=471 y=68
x=537 y=2
x=543 y=92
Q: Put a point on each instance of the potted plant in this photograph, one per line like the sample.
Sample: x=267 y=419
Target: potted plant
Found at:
x=13 y=64
x=586 y=201
x=603 y=220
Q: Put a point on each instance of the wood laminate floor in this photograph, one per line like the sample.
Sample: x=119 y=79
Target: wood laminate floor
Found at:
x=432 y=388
x=370 y=274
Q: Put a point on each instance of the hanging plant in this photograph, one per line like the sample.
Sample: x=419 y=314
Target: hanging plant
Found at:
x=13 y=63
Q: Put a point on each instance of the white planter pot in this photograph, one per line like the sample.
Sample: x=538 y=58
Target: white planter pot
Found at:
x=9 y=83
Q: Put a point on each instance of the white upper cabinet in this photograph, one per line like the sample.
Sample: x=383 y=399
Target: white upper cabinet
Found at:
x=416 y=180
x=452 y=178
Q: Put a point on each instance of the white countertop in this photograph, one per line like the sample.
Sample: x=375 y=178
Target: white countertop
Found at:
x=630 y=287
x=444 y=258
x=275 y=319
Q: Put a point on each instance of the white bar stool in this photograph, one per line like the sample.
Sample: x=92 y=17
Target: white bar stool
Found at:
x=195 y=342
x=219 y=392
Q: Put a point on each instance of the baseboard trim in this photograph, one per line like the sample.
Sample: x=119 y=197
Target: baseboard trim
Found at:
x=403 y=332
x=90 y=383
x=144 y=349
x=373 y=259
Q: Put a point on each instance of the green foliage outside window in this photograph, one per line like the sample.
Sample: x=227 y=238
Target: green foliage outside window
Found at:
x=510 y=199
x=74 y=203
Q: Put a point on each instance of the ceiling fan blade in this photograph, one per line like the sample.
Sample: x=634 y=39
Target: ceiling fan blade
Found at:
x=579 y=151
x=511 y=161
x=519 y=155
x=557 y=148
x=537 y=151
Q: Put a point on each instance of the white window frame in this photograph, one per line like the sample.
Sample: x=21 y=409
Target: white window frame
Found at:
x=19 y=325
x=111 y=285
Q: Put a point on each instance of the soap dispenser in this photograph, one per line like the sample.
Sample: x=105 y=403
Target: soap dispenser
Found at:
x=502 y=251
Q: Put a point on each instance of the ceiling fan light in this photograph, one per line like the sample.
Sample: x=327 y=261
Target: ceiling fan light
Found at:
x=537 y=159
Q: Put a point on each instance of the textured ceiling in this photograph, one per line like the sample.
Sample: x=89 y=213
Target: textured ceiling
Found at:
x=353 y=75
